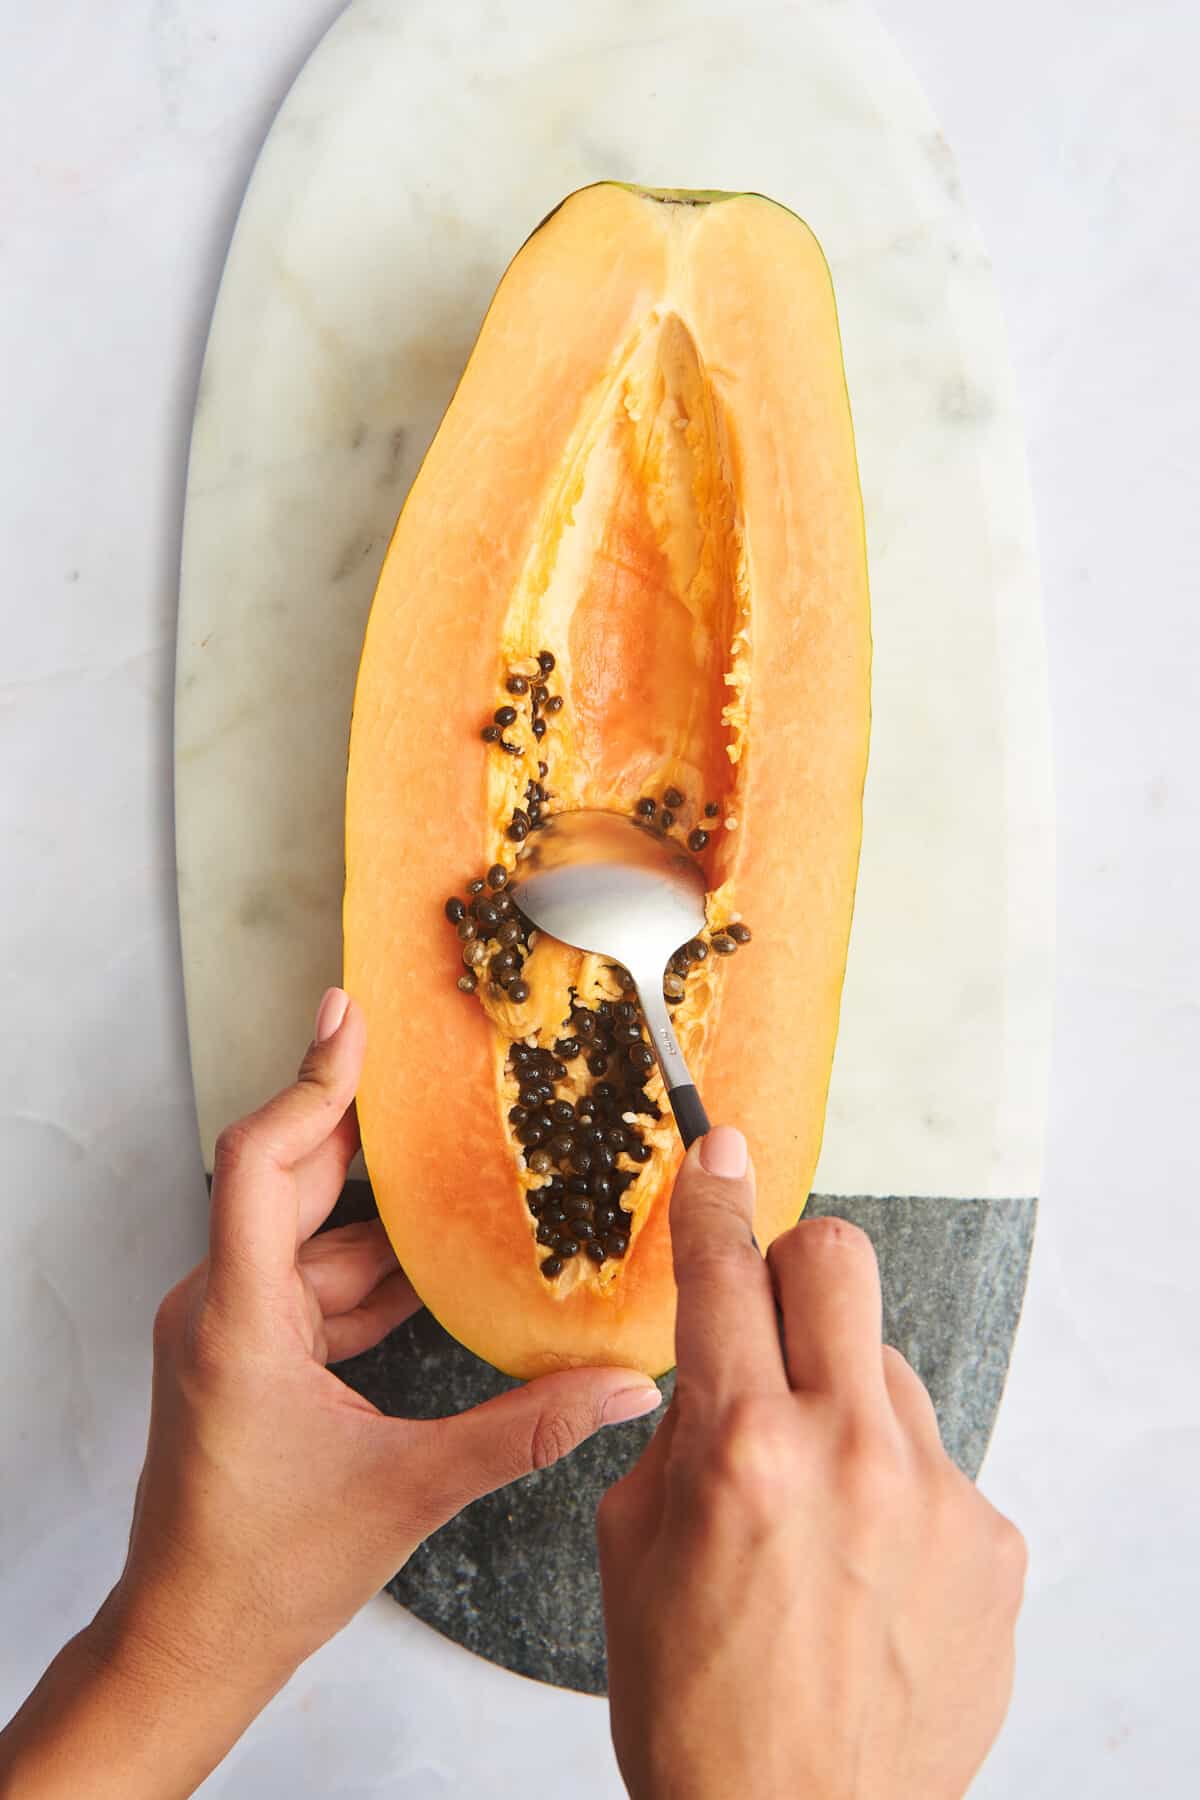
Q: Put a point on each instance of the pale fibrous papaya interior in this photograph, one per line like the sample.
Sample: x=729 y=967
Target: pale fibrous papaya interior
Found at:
x=622 y=683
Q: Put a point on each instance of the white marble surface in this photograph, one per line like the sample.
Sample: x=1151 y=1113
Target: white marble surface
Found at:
x=345 y=315
x=129 y=134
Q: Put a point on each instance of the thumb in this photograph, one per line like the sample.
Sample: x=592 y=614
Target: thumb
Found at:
x=528 y=1428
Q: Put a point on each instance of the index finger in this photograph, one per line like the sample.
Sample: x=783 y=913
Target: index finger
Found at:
x=726 y=1339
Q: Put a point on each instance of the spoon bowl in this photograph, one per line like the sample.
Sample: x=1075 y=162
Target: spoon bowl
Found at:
x=613 y=886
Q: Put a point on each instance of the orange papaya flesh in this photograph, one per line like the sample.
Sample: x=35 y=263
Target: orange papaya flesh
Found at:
x=630 y=572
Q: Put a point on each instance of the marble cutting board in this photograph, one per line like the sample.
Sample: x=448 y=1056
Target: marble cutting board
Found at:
x=416 y=150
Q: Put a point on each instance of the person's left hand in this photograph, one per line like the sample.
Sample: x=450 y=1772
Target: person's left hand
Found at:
x=275 y=1501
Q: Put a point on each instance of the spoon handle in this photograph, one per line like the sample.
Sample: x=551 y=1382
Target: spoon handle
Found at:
x=690 y=1115
x=689 y=1112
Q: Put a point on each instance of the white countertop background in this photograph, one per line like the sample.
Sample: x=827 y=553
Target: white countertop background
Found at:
x=126 y=138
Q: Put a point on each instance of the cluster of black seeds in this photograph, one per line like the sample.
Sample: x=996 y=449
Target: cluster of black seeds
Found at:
x=524 y=688
x=689 y=956
x=494 y=931
x=495 y=936
x=586 y=1152
x=583 y=1148
x=533 y=691
x=666 y=815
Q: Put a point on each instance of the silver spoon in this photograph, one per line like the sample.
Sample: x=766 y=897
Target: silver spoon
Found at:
x=603 y=883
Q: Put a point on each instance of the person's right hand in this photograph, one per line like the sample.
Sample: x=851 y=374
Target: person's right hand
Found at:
x=803 y=1596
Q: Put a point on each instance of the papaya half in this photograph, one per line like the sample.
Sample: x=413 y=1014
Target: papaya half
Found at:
x=631 y=575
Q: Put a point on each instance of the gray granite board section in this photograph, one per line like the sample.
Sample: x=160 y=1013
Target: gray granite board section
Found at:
x=514 y=1576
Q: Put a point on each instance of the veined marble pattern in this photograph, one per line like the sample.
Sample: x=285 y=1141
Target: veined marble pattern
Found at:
x=414 y=154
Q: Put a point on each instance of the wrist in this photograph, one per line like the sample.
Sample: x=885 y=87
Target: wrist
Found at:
x=203 y=1656
x=130 y=1712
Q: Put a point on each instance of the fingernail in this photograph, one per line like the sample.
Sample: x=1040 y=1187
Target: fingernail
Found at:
x=723 y=1152
x=630 y=1403
x=333 y=1008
